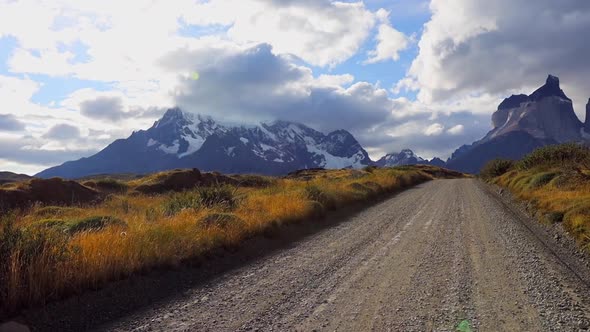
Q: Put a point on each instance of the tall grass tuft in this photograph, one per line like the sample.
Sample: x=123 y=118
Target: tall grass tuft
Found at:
x=219 y=196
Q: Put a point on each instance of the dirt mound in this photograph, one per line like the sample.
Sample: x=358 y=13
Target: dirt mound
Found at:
x=54 y=191
x=179 y=180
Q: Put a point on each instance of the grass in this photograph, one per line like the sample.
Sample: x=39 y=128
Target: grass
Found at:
x=50 y=252
x=555 y=181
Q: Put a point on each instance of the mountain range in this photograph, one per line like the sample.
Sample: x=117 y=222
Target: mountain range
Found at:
x=180 y=139
x=523 y=123
x=185 y=140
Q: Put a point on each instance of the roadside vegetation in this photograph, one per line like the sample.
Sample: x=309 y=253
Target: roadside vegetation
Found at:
x=555 y=181
x=121 y=227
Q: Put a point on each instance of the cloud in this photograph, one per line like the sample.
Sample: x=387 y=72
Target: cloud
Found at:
x=434 y=129
x=63 y=132
x=389 y=41
x=110 y=108
x=256 y=84
x=24 y=152
x=323 y=33
x=9 y=122
x=489 y=48
x=456 y=130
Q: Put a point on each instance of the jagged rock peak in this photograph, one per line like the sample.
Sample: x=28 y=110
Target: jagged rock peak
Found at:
x=513 y=101
x=550 y=89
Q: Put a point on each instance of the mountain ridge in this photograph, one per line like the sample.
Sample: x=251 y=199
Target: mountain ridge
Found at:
x=184 y=140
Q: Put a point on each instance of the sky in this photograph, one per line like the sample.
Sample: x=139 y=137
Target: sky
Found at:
x=425 y=75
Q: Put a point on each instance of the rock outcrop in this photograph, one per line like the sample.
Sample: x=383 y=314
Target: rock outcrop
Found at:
x=523 y=123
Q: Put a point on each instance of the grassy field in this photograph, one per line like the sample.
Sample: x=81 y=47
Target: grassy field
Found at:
x=49 y=252
x=555 y=181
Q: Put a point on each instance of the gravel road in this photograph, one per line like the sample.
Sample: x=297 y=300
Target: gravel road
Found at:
x=440 y=254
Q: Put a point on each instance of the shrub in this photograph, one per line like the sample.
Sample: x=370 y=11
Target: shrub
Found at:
x=317 y=209
x=542 y=179
x=254 y=181
x=315 y=193
x=564 y=155
x=91 y=224
x=218 y=196
x=181 y=201
x=554 y=217
x=111 y=185
x=495 y=168
x=221 y=219
x=370 y=169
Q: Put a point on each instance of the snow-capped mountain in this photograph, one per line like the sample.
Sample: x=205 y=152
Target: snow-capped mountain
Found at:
x=185 y=140
x=406 y=157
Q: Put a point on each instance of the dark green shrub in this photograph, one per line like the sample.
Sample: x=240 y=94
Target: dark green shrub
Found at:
x=181 y=201
x=569 y=155
x=111 y=185
x=218 y=196
x=221 y=219
x=370 y=169
x=554 y=217
x=495 y=168
x=92 y=224
x=315 y=193
x=254 y=181
x=317 y=209
x=542 y=179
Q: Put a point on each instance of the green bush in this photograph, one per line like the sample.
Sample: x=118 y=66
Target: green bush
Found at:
x=181 y=201
x=569 y=155
x=495 y=168
x=254 y=181
x=317 y=209
x=554 y=217
x=218 y=196
x=91 y=224
x=315 y=193
x=370 y=169
x=542 y=179
x=111 y=185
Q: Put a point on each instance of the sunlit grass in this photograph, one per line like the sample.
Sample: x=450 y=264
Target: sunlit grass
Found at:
x=41 y=262
x=555 y=195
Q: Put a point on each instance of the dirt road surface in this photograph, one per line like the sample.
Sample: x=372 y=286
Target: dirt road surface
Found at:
x=442 y=255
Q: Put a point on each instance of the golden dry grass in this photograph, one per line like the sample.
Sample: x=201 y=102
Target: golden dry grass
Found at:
x=42 y=263
x=556 y=195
